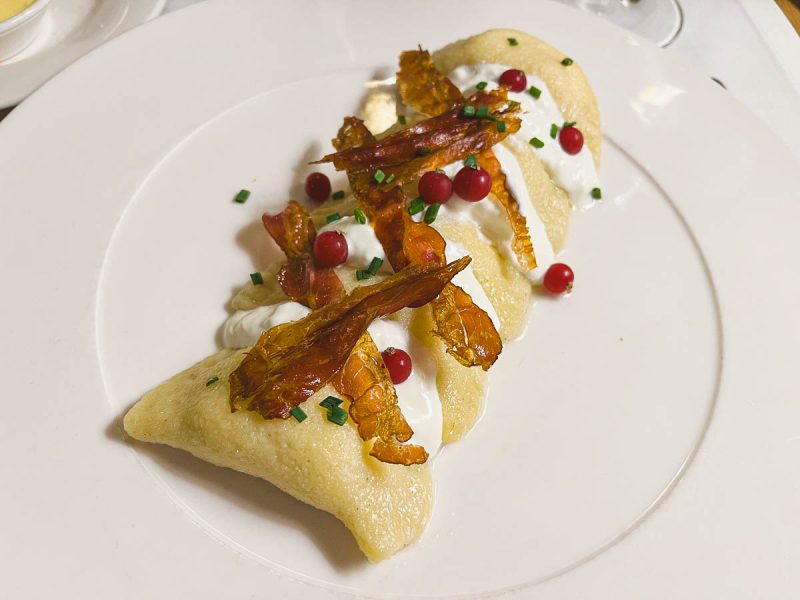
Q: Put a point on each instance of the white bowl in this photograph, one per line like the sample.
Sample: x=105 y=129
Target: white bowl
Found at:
x=17 y=32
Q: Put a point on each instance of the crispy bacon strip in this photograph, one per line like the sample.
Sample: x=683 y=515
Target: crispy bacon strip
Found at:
x=291 y=362
x=426 y=90
x=365 y=379
x=300 y=279
x=469 y=334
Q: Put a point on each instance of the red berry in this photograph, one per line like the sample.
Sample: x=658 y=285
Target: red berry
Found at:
x=330 y=249
x=558 y=278
x=472 y=184
x=398 y=362
x=514 y=79
x=571 y=140
x=435 y=187
x=318 y=187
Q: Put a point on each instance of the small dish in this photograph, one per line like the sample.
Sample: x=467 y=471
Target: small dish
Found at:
x=17 y=32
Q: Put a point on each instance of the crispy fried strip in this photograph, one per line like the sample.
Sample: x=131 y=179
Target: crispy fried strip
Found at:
x=291 y=362
x=469 y=334
x=365 y=379
x=426 y=90
x=301 y=279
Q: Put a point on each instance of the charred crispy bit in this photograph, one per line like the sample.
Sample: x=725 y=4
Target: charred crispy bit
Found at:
x=301 y=279
x=423 y=87
x=426 y=90
x=365 y=380
x=290 y=362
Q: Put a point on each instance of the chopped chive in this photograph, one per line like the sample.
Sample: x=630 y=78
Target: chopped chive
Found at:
x=553 y=130
x=242 y=196
x=536 y=142
x=212 y=380
x=468 y=111
x=362 y=274
x=379 y=176
x=597 y=193
x=375 y=265
x=333 y=217
x=424 y=151
x=481 y=85
x=256 y=278
x=483 y=111
x=361 y=218
x=567 y=62
x=471 y=161
x=430 y=214
x=401 y=119
x=535 y=92
x=416 y=205
x=390 y=178
x=330 y=402
x=298 y=413
x=512 y=42
x=501 y=126
x=568 y=124
x=513 y=105
x=338 y=195
x=337 y=415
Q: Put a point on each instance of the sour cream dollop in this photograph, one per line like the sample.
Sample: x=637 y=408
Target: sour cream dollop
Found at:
x=243 y=328
x=362 y=244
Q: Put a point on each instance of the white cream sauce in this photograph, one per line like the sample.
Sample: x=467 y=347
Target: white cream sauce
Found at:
x=243 y=328
x=362 y=244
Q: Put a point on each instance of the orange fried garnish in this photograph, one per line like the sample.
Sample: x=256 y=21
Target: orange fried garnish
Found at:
x=432 y=143
x=365 y=380
x=426 y=90
x=301 y=279
x=468 y=332
x=291 y=362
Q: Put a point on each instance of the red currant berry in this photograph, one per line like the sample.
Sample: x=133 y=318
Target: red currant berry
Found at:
x=330 y=249
x=558 y=278
x=514 y=79
x=318 y=187
x=435 y=187
x=398 y=362
x=472 y=184
x=571 y=140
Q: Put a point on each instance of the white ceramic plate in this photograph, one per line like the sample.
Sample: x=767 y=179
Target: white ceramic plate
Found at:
x=642 y=441
x=70 y=29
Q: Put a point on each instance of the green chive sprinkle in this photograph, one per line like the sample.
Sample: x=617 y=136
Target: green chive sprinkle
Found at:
x=390 y=178
x=553 y=130
x=379 y=176
x=536 y=142
x=568 y=124
x=597 y=193
x=512 y=42
x=333 y=217
x=567 y=62
x=298 y=414
x=424 y=151
x=535 y=92
x=212 y=380
x=361 y=218
x=471 y=161
x=401 y=119
x=468 y=111
x=501 y=126
x=362 y=274
x=256 y=278
x=330 y=402
x=375 y=265
x=242 y=196
x=513 y=105
x=430 y=214
x=482 y=112
x=337 y=415
x=338 y=195
x=481 y=85
x=417 y=205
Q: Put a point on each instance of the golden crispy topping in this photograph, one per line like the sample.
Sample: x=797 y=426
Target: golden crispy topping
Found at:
x=291 y=362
